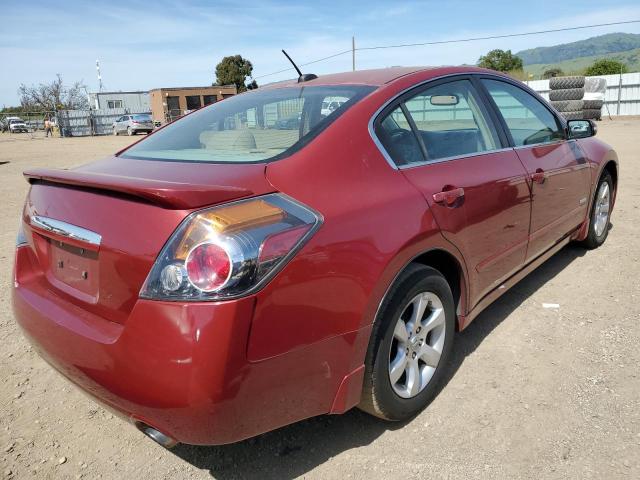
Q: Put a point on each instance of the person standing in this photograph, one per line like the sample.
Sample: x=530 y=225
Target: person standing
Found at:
x=48 y=129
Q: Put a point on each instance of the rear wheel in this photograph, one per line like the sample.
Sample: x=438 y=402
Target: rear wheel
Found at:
x=410 y=345
x=115 y=132
x=129 y=131
x=600 y=213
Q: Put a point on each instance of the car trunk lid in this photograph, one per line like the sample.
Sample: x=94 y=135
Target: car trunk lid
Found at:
x=176 y=185
x=96 y=231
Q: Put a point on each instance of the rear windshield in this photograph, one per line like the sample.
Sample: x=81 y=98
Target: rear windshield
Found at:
x=252 y=127
x=142 y=118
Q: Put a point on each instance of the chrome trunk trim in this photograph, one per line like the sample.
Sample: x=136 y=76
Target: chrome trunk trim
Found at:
x=65 y=229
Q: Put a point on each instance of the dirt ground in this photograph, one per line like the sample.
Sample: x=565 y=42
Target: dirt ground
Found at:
x=533 y=392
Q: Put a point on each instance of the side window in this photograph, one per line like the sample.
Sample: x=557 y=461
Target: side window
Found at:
x=399 y=141
x=331 y=104
x=528 y=120
x=449 y=121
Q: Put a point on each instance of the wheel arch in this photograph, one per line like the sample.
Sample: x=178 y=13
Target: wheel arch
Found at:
x=611 y=166
x=451 y=268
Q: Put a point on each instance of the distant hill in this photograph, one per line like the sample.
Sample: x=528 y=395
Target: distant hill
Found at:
x=630 y=58
x=601 y=46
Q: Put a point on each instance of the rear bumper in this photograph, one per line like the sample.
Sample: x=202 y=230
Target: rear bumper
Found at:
x=181 y=368
x=141 y=129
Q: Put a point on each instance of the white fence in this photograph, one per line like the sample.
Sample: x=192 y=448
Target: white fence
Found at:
x=79 y=123
x=621 y=98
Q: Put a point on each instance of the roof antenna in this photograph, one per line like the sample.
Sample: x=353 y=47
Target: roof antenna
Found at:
x=301 y=77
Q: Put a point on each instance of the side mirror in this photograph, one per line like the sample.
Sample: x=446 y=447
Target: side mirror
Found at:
x=582 y=128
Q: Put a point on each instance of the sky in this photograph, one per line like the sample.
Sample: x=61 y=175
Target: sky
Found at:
x=143 y=45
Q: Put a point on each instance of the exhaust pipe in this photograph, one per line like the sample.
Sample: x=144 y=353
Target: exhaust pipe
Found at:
x=157 y=436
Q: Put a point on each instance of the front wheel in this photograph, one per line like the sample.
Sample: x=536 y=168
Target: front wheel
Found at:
x=410 y=345
x=600 y=213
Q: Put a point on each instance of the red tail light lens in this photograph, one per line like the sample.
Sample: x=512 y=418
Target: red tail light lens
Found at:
x=230 y=250
x=278 y=244
x=208 y=267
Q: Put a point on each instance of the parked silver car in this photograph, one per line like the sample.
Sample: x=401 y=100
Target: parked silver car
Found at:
x=132 y=124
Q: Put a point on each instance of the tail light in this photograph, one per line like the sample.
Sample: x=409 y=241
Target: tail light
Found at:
x=230 y=250
x=21 y=239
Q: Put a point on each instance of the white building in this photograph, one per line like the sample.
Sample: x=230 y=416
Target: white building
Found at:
x=134 y=102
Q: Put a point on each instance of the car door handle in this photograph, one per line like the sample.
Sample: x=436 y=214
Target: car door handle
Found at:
x=538 y=176
x=449 y=196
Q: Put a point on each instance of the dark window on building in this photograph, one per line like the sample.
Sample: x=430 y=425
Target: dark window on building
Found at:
x=193 y=102
x=173 y=107
x=209 y=99
x=114 y=103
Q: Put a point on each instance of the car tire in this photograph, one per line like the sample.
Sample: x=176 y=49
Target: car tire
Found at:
x=115 y=132
x=402 y=399
x=572 y=115
x=563 y=83
x=566 y=94
x=592 y=104
x=600 y=213
x=568 y=105
x=590 y=114
x=130 y=132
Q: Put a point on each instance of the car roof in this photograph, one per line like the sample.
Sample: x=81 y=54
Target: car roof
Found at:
x=376 y=77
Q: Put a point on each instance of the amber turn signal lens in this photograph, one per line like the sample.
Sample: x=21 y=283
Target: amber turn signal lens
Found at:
x=232 y=218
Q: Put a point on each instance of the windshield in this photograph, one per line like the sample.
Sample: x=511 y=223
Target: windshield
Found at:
x=142 y=118
x=252 y=127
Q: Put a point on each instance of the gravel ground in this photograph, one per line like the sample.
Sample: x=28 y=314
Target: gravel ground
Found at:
x=533 y=392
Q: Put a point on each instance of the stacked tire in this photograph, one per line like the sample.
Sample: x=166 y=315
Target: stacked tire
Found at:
x=567 y=95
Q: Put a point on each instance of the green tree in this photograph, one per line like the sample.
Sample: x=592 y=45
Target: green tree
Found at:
x=234 y=70
x=500 y=60
x=606 y=66
x=552 y=72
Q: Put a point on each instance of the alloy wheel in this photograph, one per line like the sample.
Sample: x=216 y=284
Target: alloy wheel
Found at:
x=601 y=214
x=416 y=347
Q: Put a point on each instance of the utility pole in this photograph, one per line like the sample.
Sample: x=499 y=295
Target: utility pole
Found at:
x=353 y=53
x=619 y=91
x=99 y=76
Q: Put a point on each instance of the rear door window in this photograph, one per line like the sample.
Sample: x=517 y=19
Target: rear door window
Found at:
x=449 y=120
x=528 y=120
x=397 y=136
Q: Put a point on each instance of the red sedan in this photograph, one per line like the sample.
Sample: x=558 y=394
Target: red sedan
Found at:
x=263 y=260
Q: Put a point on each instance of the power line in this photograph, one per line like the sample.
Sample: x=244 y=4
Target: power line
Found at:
x=305 y=64
x=492 y=37
x=460 y=40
